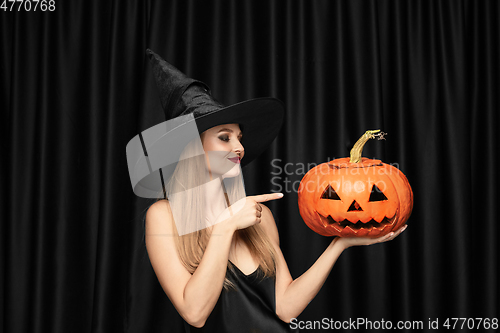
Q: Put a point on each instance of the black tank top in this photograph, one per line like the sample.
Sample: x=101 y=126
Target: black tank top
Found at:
x=249 y=308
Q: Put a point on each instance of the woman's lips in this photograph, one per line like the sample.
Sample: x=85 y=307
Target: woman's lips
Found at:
x=235 y=159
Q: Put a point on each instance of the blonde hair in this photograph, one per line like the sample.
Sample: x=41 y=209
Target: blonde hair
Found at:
x=184 y=184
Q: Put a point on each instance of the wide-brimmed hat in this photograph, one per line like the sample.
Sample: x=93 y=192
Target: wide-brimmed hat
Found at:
x=190 y=110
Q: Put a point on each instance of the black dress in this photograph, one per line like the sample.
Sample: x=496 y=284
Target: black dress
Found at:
x=250 y=308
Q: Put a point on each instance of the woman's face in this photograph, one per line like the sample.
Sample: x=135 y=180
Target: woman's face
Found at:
x=223 y=149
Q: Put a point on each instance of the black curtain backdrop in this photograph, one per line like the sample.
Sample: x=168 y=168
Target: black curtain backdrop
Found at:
x=75 y=87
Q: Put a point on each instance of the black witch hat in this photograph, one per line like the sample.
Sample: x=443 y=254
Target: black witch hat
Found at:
x=188 y=104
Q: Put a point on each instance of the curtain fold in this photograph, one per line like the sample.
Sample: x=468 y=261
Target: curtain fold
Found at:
x=75 y=87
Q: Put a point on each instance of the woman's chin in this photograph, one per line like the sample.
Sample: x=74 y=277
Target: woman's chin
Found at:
x=233 y=172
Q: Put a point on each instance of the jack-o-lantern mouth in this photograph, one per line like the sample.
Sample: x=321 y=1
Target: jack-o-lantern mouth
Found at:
x=372 y=224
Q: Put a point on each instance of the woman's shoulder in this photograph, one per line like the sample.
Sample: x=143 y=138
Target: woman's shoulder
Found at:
x=159 y=215
x=160 y=207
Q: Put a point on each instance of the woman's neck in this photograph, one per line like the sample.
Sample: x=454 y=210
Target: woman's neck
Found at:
x=215 y=199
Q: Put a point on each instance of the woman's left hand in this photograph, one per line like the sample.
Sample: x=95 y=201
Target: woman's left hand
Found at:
x=347 y=242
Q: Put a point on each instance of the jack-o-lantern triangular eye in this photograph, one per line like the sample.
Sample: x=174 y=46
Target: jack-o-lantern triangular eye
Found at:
x=377 y=194
x=329 y=193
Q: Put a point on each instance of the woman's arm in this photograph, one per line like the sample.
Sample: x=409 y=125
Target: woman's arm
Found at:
x=292 y=296
x=194 y=295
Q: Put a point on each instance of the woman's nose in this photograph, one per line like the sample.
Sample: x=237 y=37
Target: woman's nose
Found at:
x=238 y=149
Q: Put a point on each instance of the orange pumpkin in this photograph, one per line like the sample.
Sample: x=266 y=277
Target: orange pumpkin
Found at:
x=355 y=197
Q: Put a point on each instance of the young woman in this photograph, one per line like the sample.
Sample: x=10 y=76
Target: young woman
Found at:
x=230 y=276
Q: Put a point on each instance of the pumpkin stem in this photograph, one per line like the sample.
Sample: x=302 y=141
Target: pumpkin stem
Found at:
x=358 y=146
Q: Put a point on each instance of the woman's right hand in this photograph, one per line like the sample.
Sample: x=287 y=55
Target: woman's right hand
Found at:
x=246 y=212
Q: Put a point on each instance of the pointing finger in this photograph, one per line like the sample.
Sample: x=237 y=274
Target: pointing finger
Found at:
x=267 y=197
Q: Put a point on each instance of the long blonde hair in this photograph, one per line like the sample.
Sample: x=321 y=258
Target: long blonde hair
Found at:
x=190 y=172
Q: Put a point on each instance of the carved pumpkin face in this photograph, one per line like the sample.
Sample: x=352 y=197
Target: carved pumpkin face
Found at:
x=364 y=199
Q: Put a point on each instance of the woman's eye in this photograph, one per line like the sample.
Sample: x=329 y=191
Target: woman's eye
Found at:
x=224 y=138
